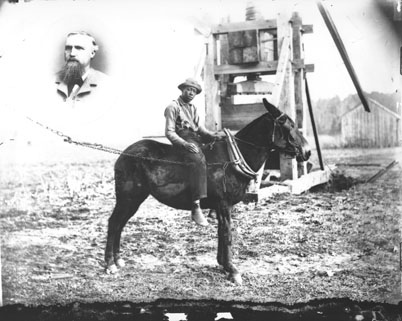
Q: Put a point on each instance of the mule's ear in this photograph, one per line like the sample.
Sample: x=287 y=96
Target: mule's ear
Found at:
x=271 y=108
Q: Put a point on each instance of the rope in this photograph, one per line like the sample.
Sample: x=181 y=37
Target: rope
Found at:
x=6 y=141
x=112 y=150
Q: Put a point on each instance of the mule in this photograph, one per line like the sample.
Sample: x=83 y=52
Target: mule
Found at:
x=152 y=168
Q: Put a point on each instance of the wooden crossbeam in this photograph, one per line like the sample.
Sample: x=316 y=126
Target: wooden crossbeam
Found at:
x=244 y=25
x=263 y=67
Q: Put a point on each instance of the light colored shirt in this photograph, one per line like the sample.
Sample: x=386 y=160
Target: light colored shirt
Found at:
x=181 y=115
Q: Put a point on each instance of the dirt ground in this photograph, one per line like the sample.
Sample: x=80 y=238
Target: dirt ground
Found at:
x=338 y=241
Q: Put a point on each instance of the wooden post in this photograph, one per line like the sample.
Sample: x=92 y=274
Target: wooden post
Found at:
x=284 y=95
x=298 y=74
x=298 y=80
x=317 y=142
x=211 y=86
x=1 y=284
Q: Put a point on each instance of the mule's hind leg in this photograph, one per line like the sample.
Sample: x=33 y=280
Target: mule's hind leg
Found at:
x=138 y=199
x=126 y=207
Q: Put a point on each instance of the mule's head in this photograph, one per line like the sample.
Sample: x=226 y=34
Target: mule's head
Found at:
x=285 y=135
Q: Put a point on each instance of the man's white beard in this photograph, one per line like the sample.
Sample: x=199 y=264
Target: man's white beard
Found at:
x=71 y=73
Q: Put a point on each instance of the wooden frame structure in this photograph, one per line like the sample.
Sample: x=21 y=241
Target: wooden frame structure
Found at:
x=285 y=63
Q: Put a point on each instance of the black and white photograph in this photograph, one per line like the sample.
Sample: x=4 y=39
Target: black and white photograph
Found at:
x=200 y=160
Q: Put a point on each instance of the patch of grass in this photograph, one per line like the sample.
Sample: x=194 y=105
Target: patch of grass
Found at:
x=290 y=248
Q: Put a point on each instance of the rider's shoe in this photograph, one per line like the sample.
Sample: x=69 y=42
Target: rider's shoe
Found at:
x=197 y=216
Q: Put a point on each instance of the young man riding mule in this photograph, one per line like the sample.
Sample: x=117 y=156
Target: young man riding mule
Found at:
x=185 y=132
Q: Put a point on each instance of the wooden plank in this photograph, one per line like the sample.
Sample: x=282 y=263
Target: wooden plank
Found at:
x=281 y=71
x=342 y=50
x=244 y=25
x=212 y=110
x=283 y=93
x=223 y=49
x=236 y=117
x=307 y=29
x=298 y=73
x=296 y=186
x=1 y=284
x=288 y=167
x=309 y=67
x=251 y=87
x=298 y=64
x=382 y=172
x=265 y=193
x=263 y=67
x=305 y=182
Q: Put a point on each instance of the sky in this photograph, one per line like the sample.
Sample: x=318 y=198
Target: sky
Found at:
x=149 y=47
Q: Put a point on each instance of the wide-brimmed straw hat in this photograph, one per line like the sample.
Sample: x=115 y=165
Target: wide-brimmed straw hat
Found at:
x=190 y=82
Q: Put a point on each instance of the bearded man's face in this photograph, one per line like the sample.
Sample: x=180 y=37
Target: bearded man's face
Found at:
x=78 y=52
x=72 y=72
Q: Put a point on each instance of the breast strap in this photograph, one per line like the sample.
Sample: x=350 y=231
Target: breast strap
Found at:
x=236 y=157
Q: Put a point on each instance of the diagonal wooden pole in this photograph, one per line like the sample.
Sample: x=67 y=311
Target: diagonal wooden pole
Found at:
x=342 y=50
x=1 y=284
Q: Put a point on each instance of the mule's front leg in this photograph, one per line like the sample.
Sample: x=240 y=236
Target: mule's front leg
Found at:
x=225 y=242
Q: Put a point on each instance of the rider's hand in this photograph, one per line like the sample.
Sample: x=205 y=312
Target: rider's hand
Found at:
x=219 y=135
x=192 y=148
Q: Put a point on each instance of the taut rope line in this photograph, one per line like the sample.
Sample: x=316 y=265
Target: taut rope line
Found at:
x=112 y=150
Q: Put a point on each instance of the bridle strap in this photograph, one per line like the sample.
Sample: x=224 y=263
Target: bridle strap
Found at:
x=279 y=117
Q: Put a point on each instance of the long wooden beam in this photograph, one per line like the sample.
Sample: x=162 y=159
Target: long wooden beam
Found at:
x=1 y=285
x=263 y=67
x=267 y=67
x=244 y=25
x=342 y=50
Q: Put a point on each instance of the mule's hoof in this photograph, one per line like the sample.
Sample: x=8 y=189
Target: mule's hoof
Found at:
x=112 y=269
x=236 y=279
x=120 y=263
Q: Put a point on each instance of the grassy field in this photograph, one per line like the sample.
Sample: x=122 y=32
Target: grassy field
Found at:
x=341 y=240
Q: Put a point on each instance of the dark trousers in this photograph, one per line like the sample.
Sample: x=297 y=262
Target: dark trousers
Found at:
x=197 y=168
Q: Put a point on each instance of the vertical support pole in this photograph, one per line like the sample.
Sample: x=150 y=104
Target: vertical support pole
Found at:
x=1 y=284
x=298 y=74
x=317 y=142
x=298 y=54
x=399 y=127
x=212 y=109
x=286 y=94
